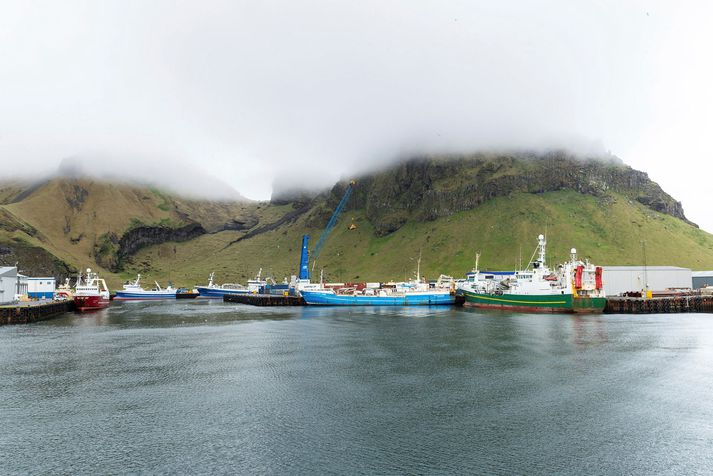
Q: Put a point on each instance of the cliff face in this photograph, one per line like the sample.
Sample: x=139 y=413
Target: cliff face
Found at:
x=142 y=236
x=33 y=260
x=425 y=189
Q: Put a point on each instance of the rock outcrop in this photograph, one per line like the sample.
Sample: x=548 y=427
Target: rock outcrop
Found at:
x=141 y=236
x=427 y=188
x=34 y=261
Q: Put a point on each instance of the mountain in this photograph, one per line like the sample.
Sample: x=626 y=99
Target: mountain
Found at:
x=444 y=208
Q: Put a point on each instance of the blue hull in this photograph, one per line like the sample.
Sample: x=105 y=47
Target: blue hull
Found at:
x=216 y=293
x=143 y=296
x=316 y=298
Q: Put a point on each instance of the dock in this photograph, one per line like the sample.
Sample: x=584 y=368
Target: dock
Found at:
x=264 y=299
x=33 y=311
x=659 y=305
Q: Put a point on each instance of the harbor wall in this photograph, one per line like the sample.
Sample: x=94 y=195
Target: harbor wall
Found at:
x=264 y=299
x=663 y=305
x=26 y=314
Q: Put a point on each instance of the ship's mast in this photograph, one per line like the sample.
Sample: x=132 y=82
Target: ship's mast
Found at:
x=418 y=267
x=542 y=246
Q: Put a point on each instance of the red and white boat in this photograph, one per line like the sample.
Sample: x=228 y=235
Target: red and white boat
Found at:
x=91 y=292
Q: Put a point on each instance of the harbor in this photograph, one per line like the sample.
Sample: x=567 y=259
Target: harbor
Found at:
x=575 y=286
x=204 y=386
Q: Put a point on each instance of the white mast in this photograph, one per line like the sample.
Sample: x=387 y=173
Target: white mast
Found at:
x=418 y=267
x=542 y=245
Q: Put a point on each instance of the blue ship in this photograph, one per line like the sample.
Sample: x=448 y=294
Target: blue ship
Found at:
x=215 y=291
x=327 y=297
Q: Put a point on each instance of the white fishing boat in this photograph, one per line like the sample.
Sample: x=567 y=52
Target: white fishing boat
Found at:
x=574 y=286
x=134 y=291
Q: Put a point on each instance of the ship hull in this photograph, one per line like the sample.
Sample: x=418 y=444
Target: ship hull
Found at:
x=129 y=296
x=547 y=303
x=90 y=303
x=216 y=293
x=317 y=298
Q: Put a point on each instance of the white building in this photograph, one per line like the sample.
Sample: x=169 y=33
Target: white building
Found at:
x=41 y=288
x=11 y=284
x=621 y=279
x=702 y=279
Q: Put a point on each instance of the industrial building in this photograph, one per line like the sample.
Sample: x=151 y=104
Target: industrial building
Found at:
x=11 y=284
x=622 y=279
x=702 y=279
x=41 y=288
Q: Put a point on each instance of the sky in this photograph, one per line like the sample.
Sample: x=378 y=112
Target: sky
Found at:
x=214 y=96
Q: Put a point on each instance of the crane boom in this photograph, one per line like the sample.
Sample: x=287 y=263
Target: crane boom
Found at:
x=332 y=221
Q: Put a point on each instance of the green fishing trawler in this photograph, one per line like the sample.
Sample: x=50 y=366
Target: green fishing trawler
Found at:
x=575 y=286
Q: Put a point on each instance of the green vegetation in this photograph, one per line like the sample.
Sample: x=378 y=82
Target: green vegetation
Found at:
x=504 y=230
x=105 y=250
x=165 y=204
x=444 y=211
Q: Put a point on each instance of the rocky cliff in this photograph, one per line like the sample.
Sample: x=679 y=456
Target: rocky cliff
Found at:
x=602 y=205
x=427 y=188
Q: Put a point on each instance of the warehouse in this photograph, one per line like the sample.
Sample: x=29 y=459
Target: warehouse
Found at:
x=622 y=279
x=702 y=279
x=11 y=284
x=41 y=288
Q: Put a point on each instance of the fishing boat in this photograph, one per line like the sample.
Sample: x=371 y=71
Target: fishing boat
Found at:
x=381 y=297
x=133 y=291
x=215 y=291
x=575 y=286
x=416 y=292
x=90 y=292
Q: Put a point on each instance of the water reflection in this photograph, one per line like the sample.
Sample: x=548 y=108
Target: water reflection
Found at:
x=209 y=387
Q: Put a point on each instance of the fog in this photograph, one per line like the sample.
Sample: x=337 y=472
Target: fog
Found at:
x=246 y=94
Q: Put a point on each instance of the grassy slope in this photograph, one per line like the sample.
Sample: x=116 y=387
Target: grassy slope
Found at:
x=71 y=233
x=610 y=232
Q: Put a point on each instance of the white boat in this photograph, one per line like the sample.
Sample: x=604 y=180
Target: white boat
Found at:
x=574 y=286
x=134 y=291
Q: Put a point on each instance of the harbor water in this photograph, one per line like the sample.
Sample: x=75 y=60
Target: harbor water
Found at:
x=193 y=387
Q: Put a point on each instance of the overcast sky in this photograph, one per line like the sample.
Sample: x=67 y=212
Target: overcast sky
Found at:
x=311 y=91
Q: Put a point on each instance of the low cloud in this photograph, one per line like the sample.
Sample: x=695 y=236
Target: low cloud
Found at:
x=256 y=93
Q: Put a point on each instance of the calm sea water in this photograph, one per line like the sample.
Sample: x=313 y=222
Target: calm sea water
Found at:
x=205 y=387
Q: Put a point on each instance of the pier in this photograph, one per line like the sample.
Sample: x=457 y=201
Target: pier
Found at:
x=33 y=311
x=264 y=299
x=659 y=305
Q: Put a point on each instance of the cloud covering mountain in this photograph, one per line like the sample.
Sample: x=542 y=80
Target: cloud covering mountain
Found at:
x=249 y=93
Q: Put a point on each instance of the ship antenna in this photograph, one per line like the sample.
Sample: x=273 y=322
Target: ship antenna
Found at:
x=519 y=259
x=532 y=258
x=418 y=267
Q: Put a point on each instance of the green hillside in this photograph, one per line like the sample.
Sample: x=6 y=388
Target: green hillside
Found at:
x=444 y=210
x=609 y=232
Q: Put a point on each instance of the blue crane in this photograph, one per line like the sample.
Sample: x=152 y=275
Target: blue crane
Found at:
x=304 y=258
